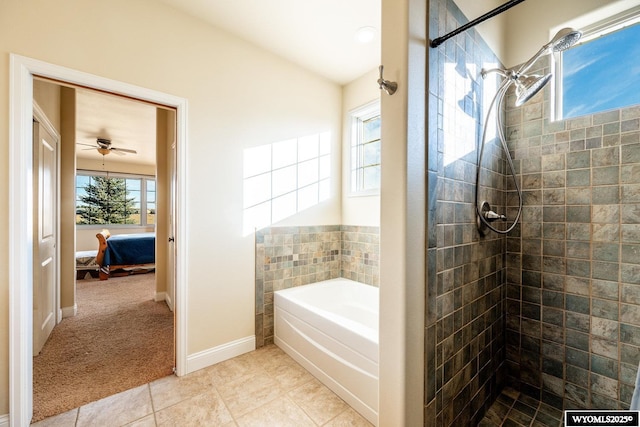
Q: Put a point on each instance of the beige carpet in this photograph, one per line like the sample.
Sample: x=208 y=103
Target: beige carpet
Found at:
x=119 y=339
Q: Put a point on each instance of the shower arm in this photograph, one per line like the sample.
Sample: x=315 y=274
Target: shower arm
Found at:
x=525 y=67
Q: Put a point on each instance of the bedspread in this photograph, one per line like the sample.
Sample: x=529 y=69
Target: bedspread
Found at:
x=129 y=249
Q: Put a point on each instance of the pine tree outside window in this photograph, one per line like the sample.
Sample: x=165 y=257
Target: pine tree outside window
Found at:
x=103 y=199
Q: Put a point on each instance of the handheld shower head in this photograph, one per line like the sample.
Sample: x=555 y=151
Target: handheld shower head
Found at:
x=528 y=86
x=564 y=39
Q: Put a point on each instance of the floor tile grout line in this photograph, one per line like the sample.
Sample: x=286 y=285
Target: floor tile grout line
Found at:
x=224 y=402
x=153 y=408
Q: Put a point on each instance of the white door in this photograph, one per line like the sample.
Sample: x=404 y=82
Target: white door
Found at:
x=45 y=265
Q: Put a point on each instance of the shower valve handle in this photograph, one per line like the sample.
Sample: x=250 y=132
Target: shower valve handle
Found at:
x=492 y=216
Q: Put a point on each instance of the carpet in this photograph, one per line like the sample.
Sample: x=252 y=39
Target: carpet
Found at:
x=120 y=339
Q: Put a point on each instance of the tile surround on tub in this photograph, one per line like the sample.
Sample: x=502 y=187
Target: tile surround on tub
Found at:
x=296 y=256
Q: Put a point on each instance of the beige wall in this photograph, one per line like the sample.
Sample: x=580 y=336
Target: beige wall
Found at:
x=402 y=214
x=491 y=30
x=530 y=25
x=519 y=33
x=239 y=96
x=114 y=166
x=67 y=198
x=47 y=96
x=357 y=210
x=162 y=200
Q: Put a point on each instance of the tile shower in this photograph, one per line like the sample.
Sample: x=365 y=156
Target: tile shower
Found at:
x=573 y=291
x=296 y=256
x=465 y=366
x=553 y=309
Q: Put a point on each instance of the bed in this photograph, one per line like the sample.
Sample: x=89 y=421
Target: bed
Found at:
x=127 y=252
x=86 y=264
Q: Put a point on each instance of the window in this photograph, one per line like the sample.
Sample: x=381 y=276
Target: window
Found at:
x=365 y=149
x=600 y=73
x=112 y=199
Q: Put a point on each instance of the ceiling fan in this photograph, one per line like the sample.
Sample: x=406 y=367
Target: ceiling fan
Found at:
x=104 y=147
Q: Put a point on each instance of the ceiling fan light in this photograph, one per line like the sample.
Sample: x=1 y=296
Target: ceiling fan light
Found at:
x=103 y=151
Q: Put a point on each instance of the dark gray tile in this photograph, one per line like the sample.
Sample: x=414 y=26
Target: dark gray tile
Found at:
x=579 y=159
x=604 y=366
x=577 y=304
x=630 y=273
x=578 y=178
x=605 y=175
x=630 y=193
x=577 y=358
x=577 y=321
x=605 y=289
x=604 y=308
x=603 y=195
x=578 y=214
x=609 y=156
x=605 y=251
x=630 y=153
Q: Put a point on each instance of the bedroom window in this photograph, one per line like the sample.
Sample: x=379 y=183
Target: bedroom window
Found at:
x=601 y=72
x=115 y=199
x=365 y=149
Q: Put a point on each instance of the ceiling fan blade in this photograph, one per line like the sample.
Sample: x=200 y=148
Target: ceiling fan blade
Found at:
x=87 y=145
x=88 y=149
x=118 y=152
x=124 y=150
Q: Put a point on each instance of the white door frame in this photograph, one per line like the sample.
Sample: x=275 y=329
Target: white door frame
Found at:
x=22 y=70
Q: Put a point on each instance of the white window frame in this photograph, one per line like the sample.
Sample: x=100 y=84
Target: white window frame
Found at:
x=589 y=33
x=358 y=116
x=143 y=197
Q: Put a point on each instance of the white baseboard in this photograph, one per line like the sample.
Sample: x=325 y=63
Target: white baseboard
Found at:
x=69 y=311
x=160 y=296
x=169 y=301
x=220 y=353
x=4 y=420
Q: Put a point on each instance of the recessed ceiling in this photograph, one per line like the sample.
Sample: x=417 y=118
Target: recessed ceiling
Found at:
x=127 y=123
x=319 y=35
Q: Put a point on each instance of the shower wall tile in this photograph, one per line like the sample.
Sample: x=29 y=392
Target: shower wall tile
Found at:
x=296 y=256
x=466 y=297
x=581 y=235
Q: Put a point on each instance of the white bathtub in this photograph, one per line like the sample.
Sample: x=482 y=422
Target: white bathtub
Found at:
x=331 y=328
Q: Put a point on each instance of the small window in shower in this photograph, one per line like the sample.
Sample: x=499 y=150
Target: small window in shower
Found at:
x=602 y=72
x=365 y=149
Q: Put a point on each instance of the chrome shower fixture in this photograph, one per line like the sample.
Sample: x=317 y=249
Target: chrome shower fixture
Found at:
x=563 y=40
x=527 y=86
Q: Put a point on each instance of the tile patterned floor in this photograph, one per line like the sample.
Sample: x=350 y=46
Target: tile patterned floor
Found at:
x=261 y=388
x=513 y=409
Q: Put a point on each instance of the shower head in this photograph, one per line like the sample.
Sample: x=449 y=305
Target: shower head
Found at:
x=564 y=39
x=528 y=86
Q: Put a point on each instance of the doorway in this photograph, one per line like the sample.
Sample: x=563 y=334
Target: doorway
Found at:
x=116 y=334
x=22 y=72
